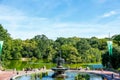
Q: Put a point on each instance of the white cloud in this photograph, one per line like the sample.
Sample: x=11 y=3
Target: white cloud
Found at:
x=109 y=14
x=7 y=10
x=19 y=25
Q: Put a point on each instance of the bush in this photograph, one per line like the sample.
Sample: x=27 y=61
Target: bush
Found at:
x=82 y=77
x=118 y=69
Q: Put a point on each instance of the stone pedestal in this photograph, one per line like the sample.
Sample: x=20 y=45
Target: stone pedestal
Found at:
x=59 y=70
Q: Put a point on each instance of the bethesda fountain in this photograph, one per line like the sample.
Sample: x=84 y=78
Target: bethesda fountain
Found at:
x=59 y=70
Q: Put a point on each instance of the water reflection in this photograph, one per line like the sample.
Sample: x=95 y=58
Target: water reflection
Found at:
x=71 y=76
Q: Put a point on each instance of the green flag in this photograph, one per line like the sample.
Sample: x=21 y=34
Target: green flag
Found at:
x=109 y=47
x=1 y=44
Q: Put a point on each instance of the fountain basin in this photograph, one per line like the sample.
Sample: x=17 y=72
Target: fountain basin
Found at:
x=59 y=72
x=71 y=76
x=59 y=69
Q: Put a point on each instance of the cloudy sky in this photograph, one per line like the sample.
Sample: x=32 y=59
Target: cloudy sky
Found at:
x=60 y=18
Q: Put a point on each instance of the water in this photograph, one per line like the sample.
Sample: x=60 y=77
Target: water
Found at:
x=71 y=76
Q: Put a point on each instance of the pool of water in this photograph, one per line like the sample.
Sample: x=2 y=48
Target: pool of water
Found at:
x=71 y=76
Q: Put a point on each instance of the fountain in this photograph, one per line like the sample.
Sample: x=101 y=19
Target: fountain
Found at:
x=59 y=70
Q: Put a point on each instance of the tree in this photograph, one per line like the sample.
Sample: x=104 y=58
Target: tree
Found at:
x=16 y=49
x=93 y=55
x=94 y=42
x=43 y=43
x=5 y=36
x=68 y=51
x=102 y=44
x=82 y=46
x=113 y=59
x=49 y=54
x=61 y=40
x=29 y=49
x=116 y=39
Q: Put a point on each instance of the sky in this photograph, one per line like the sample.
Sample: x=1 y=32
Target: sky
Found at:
x=25 y=19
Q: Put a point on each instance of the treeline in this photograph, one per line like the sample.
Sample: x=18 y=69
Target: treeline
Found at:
x=73 y=49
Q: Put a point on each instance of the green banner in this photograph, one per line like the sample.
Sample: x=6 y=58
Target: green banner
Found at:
x=1 y=44
x=109 y=47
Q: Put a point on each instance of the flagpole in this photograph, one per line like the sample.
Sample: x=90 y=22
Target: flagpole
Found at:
x=109 y=36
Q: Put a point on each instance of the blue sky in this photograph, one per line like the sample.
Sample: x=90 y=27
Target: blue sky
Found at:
x=60 y=18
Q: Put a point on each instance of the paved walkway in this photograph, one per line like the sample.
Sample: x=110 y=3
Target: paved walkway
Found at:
x=107 y=74
x=6 y=75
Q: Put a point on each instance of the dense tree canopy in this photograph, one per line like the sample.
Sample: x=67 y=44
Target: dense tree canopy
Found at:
x=74 y=49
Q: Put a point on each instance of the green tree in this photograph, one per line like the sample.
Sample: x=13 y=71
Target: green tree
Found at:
x=43 y=43
x=112 y=60
x=102 y=44
x=115 y=58
x=68 y=51
x=94 y=42
x=61 y=40
x=116 y=39
x=16 y=49
x=93 y=55
x=29 y=49
x=5 y=36
x=82 y=46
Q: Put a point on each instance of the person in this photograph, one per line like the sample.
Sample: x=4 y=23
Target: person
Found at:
x=112 y=76
x=17 y=72
x=119 y=74
x=104 y=79
x=101 y=70
x=26 y=71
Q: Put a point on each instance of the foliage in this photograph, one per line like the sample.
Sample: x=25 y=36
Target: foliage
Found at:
x=93 y=55
x=74 y=49
x=116 y=39
x=82 y=77
x=4 y=35
x=118 y=69
x=112 y=61
x=69 y=53
x=36 y=76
